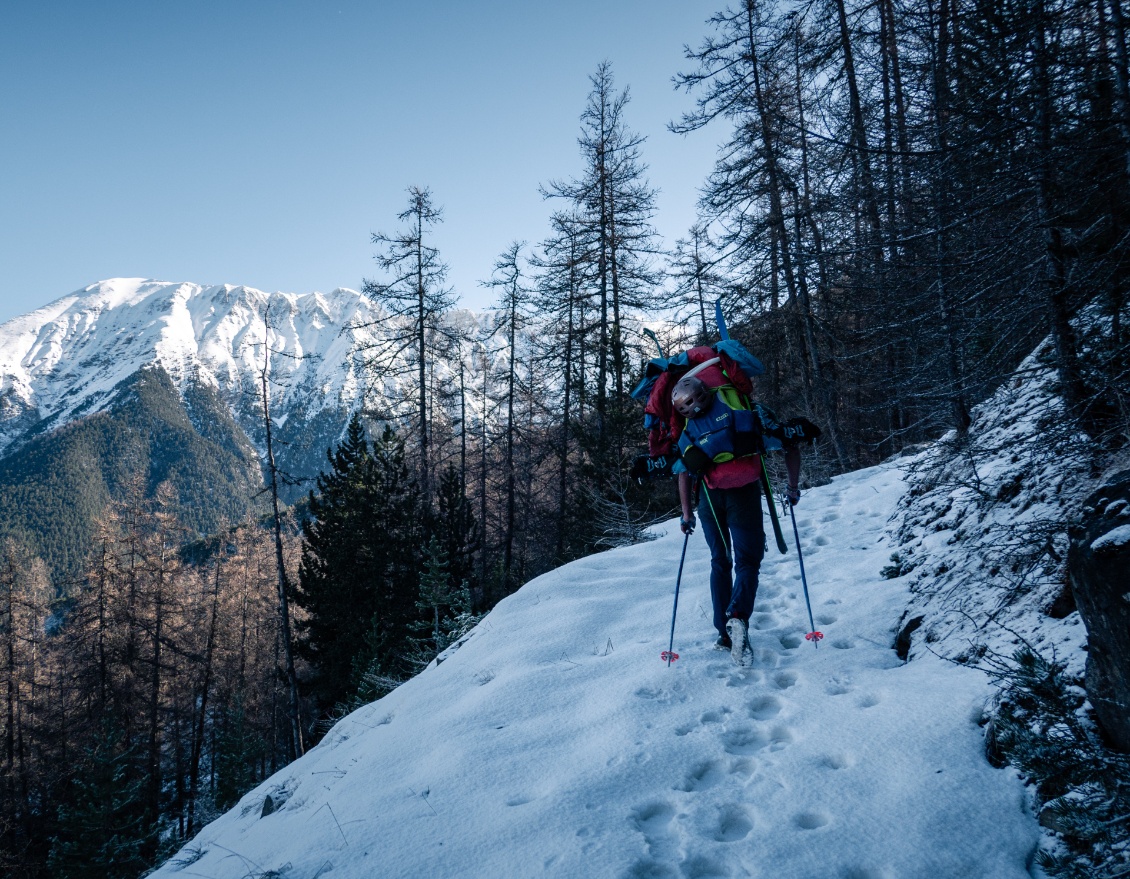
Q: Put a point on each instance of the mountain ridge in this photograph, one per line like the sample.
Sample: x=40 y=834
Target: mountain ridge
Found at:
x=163 y=379
x=63 y=360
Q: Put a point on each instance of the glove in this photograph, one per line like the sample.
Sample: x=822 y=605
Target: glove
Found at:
x=687 y=525
x=652 y=467
x=793 y=495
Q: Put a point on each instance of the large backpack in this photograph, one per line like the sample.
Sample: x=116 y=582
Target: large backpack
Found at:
x=732 y=427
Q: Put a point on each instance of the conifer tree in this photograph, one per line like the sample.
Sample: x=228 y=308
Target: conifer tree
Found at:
x=103 y=831
x=414 y=290
x=456 y=528
x=614 y=204
x=509 y=322
x=360 y=554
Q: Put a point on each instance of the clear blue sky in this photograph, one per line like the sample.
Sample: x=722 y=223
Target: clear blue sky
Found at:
x=260 y=142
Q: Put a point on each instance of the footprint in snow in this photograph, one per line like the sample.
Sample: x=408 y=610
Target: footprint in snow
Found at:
x=763 y=657
x=704 y=776
x=785 y=679
x=821 y=540
x=830 y=516
x=730 y=824
x=702 y=867
x=781 y=737
x=664 y=696
x=790 y=642
x=837 y=687
x=649 y=869
x=812 y=820
x=744 y=678
x=744 y=741
x=837 y=760
x=763 y=621
x=652 y=818
x=765 y=707
x=869 y=700
x=653 y=821
x=826 y=619
x=843 y=643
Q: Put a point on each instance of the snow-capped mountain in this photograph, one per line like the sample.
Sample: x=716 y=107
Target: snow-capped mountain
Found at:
x=65 y=360
x=131 y=378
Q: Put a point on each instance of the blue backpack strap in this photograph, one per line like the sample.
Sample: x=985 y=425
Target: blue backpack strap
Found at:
x=734 y=349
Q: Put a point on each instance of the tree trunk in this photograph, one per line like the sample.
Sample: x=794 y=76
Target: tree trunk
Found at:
x=297 y=748
x=1055 y=274
x=959 y=405
x=153 y=763
x=202 y=708
x=508 y=549
x=563 y=448
x=859 y=136
x=421 y=340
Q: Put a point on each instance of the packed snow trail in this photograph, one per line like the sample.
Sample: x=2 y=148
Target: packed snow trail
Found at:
x=556 y=742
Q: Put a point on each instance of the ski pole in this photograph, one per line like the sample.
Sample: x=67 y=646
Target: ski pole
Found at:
x=669 y=655
x=814 y=635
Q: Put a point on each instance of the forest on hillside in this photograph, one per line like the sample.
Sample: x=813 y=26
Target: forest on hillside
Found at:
x=908 y=196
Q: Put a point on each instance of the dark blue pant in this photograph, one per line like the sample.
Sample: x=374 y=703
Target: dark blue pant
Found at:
x=735 y=533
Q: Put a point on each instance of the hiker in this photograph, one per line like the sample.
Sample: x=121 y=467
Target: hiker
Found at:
x=729 y=504
x=704 y=428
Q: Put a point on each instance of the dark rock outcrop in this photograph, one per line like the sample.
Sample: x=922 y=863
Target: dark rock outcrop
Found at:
x=1098 y=566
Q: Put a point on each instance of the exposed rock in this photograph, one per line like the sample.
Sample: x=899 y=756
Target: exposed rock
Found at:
x=902 y=640
x=1063 y=605
x=1098 y=565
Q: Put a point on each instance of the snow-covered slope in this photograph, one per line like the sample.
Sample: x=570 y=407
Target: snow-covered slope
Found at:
x=982 y=530
x=65 y=359
x=555 y=742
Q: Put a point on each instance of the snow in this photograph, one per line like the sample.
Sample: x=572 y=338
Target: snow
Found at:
x=981 y=532
x=64 y=360
x=556 y=742
x=1113 y=539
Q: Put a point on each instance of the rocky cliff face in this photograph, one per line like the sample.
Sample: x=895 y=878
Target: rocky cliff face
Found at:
x=1098 y=565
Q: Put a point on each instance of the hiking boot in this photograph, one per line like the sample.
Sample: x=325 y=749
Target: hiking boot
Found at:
x=723 y=642
x=740 y=650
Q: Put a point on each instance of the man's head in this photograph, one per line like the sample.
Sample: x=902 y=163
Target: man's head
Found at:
x=690 y=396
